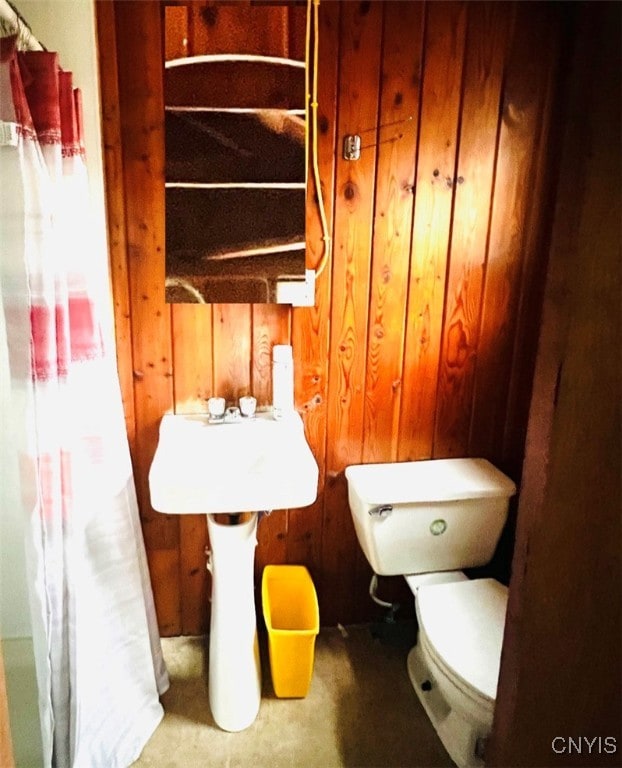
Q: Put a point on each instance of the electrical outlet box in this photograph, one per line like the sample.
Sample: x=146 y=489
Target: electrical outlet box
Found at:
x=298 y=293
x=351 y=147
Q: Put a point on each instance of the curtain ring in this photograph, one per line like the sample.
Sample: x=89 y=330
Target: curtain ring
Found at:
x=23 y=33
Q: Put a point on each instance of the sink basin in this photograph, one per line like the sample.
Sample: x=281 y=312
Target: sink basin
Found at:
x=250 y=465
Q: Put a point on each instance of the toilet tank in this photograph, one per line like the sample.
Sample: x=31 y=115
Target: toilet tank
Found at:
x=423 y=516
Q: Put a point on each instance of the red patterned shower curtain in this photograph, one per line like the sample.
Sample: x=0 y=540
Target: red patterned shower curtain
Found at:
x=99 y=663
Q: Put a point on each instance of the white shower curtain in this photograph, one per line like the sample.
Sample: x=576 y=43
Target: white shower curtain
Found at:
x=99 y=664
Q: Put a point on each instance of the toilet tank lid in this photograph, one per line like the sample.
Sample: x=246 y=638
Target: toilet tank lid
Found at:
x=428 y=481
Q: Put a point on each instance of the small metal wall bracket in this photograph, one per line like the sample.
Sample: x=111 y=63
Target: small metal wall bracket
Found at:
x=351 y=147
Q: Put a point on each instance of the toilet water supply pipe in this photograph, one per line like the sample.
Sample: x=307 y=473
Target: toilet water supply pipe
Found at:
x=373 y=588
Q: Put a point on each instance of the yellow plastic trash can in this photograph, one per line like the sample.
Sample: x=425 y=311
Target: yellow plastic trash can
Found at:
x=292 y=619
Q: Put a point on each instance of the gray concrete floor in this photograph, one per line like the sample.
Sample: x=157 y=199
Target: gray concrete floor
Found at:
x=361 y=711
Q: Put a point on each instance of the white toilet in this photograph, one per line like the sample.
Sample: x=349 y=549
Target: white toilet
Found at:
x=427 y=520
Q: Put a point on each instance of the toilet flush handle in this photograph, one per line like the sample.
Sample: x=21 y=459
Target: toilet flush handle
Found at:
x=381 y=512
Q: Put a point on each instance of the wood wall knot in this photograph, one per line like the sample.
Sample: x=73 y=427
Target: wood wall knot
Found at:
x=458 y=348
x=209 y=15
x=452 y=182
x=513 y=115
x=349 y=190
x=312 y=402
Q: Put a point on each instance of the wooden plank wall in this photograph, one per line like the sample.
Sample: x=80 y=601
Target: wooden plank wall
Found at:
x=568 y=555
x=426 y=316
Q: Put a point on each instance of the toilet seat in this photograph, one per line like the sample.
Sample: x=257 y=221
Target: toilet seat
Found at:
x=463 y=623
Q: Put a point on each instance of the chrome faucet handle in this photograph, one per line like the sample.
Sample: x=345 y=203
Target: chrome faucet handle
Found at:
x=248 y=406
x=216 y=408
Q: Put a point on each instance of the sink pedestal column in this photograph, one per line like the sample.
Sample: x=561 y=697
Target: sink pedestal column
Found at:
x=234 y=667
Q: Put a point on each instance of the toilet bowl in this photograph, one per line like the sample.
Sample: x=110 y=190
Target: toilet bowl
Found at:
x=427 y=521
x=455 y=665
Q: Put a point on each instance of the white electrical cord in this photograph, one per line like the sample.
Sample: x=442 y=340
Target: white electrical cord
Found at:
x=327 y=242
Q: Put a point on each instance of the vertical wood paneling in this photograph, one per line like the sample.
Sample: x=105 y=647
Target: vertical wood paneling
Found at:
x=395 y=186
x=192 y=356
x=354 y=188
x=176 y=37
x=436 y=163
x=511 y=434
x=115 y=210
x=296 y=25
x=568 y=534
x=354 y=195
x=140 y=95
x=193 y=384
x=232 y=350
x=224 y=27
x=194 y=584
x=483 y=78
x=394 y=194
x=311 y=325
x=421 y=338
x=516 y=193
x=271 y=325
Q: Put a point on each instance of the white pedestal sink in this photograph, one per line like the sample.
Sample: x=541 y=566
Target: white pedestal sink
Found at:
x=251 y=465
x=234 y=670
